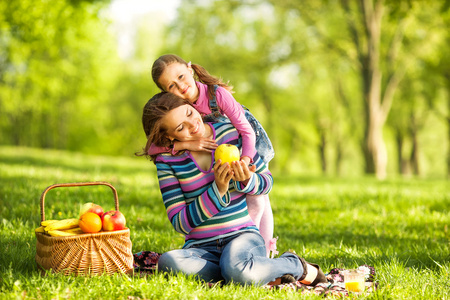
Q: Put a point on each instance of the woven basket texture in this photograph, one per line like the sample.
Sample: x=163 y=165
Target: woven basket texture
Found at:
x=105 y=252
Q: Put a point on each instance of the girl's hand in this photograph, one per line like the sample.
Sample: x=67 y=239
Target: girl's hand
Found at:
x=222 y=175
x=202 y=144
x=241 y=171
x=246 y=160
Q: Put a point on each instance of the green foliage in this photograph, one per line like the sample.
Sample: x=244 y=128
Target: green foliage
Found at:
x=62 y=84
x=54 y=76
x=398 y=226
x=293 y=63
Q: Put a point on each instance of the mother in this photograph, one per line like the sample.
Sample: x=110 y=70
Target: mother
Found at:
x=206 y=202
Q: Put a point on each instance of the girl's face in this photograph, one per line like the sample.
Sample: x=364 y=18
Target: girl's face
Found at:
x=178 y=79
x=183 y=124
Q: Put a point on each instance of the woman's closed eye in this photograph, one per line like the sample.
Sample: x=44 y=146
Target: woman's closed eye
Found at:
x=189 y=112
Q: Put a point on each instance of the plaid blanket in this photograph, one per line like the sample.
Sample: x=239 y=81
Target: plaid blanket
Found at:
x=145 y=264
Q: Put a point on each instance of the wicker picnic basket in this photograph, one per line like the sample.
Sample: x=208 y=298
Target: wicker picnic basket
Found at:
x=105 y=252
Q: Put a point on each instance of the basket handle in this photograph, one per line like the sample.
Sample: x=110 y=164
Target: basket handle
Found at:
x=116 y=197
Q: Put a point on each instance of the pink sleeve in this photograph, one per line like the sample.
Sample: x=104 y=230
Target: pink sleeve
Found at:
x=155 y=150
x=234 y=111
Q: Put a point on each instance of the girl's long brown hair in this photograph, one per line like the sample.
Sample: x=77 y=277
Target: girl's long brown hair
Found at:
x=200 y=73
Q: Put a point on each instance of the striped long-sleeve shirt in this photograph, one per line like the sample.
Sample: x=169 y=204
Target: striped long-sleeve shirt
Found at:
x=191 y=197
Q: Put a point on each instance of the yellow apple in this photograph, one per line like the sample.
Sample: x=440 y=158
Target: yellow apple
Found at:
x=91 y=207
x=227 y=153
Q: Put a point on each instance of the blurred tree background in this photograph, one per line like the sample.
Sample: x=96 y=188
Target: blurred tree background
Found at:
x=343 y=87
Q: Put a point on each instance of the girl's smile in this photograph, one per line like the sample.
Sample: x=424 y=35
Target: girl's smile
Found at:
x=178 y=79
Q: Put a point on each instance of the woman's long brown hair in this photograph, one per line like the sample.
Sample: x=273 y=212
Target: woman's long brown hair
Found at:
x=154 y=111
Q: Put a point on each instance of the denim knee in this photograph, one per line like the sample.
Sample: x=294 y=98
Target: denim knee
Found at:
x=241 y=262
x=242 y=272
x=167 y=261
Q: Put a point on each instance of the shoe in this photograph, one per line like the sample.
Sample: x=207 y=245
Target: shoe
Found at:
x=287 y=278
x=320 y=275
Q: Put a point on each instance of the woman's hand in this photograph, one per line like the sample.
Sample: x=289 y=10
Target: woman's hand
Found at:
x=222 y=175
x=203 y=144
x=241 y=171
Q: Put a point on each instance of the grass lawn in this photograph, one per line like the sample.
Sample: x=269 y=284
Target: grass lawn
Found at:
x=398 y=226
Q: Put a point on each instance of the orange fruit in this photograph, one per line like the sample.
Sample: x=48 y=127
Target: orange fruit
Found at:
x=90 y=223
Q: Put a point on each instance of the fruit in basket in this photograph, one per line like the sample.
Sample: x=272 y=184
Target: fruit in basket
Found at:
x=62 y=224
x=227 y=153
x=90 y=223
x=113 y=220
x=48 y=222
x=60 y=233
x=91 y=207
x=76 y=230
x=40 y=229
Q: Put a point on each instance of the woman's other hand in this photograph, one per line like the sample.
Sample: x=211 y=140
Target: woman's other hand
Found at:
x=222 y=175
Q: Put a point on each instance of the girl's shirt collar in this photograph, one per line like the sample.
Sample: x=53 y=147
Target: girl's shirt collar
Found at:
x=202 y=93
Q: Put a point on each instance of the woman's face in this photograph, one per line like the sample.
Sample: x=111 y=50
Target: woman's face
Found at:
x=184 y=123
x=178 y=79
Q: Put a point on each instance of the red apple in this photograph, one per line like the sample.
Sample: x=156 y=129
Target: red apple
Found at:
x=113 y=220
x=91 y=207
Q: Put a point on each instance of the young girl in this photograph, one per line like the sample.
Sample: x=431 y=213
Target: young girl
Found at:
x=213 y=100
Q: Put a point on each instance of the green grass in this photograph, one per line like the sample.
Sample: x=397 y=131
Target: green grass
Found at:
x=398 y=226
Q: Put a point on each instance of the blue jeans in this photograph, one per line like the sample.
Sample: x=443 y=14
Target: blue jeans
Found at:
x=240 y=258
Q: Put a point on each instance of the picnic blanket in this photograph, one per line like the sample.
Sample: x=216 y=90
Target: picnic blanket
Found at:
x=145 y=264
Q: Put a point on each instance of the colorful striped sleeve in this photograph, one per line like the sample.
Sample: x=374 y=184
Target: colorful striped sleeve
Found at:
x=261 y=181
x=186 y=214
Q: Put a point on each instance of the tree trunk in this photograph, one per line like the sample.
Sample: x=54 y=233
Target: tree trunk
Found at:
x=414 y=158
x=374 y=148
x=376 y=154
x=448 y=129
x=339 y=157
x=293 y=149
x=446 y=75
x=402 y=164
x=322 y=151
